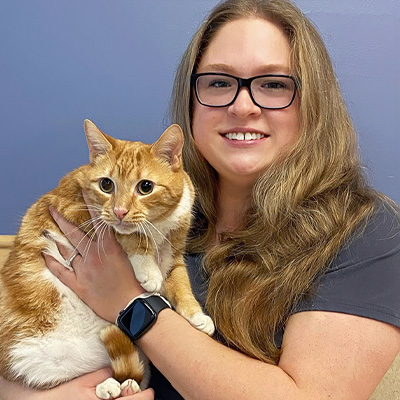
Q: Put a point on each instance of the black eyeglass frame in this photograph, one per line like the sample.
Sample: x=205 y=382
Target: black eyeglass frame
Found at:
x=244 y=82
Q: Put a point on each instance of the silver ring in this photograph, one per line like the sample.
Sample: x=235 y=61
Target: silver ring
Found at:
x=68 y=262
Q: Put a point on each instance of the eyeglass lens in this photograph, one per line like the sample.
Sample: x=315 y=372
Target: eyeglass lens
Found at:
x=267 y=91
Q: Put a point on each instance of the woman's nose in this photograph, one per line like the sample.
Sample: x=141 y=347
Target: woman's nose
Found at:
x=243 y=106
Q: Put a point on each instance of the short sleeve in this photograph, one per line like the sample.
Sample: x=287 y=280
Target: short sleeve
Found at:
x=364 y=278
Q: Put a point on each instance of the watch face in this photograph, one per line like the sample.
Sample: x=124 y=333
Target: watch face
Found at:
x=136 y=319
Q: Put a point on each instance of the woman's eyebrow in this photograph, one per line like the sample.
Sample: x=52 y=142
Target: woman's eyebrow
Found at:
x=218 y=68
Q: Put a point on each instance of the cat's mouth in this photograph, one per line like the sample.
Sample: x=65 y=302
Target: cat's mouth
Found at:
x=124 y=228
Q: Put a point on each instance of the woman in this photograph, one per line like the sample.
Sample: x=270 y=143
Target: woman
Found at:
x=301 y=257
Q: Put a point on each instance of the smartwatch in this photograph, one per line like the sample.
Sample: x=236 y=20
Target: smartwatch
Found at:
x=139 y=315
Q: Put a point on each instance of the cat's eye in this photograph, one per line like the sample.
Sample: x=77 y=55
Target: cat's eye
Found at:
x=145 y=187
x=106 y=185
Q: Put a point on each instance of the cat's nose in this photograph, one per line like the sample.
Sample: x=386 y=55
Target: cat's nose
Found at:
x=120 y=213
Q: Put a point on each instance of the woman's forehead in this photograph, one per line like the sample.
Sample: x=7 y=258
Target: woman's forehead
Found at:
x=247 y=46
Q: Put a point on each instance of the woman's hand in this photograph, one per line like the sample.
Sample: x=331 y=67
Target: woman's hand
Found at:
x=102 y=275
x=82 y=388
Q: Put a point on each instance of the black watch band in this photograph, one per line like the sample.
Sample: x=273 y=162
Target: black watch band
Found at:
x=138 y=317
x=157 y=303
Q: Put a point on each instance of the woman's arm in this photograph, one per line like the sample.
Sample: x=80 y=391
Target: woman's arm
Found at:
x=325 y=355
x=82 y=388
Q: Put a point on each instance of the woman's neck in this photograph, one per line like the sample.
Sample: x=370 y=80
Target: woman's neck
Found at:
x=233 y=201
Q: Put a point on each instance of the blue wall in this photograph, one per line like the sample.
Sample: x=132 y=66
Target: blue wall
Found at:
x=114 y=61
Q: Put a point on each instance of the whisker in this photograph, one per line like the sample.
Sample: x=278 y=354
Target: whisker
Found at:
x=154 y=240
x=89 y=207
x=86 y=249
x=160 y=233
x=92 y=223
x=102 y=229
x=85 y=224
x=143 y=232
x=91 y=237
x=140 y=235
x=87 y=246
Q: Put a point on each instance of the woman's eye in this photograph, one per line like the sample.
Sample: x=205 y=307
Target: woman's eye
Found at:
x=145 y=187
x=274 y=85
x=219 y=84
x=106 y=185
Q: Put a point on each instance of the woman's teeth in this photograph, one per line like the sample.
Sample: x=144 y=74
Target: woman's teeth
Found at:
x=243 y=136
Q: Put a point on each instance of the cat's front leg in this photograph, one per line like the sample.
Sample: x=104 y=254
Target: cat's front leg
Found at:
x=147 y=272
x=178 y=291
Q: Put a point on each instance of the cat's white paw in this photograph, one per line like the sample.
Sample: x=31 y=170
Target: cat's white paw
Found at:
x=151 y=286
x=109 y=389
x=203 y=323
x=151 y=281
x=147 y=272
x=130 y=383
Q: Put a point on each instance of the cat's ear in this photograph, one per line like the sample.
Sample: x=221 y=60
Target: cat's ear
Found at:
x=169 y=146
x=98 y=142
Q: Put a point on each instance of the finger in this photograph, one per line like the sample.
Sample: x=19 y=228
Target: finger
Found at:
x=96 y=377
x=15 y=390
x=77 y=238
x=147 y=394
x=66 y=255
x=60 y=271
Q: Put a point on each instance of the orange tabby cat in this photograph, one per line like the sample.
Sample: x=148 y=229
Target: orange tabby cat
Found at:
x=47 y=334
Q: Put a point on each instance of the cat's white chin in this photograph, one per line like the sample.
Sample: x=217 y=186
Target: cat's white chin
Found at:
x=124 y=229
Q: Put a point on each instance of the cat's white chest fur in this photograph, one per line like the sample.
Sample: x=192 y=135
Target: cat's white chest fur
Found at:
x=152 y=269
x=72 y=349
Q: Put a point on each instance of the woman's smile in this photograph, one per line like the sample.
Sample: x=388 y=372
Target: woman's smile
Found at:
x=244 y=134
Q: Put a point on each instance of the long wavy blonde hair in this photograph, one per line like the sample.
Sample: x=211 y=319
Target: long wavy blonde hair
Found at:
x=304 y=206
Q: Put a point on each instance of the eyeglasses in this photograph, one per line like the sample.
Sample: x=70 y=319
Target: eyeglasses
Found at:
x=273 y=92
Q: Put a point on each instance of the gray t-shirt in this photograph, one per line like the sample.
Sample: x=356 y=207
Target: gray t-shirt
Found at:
x=363 y=280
